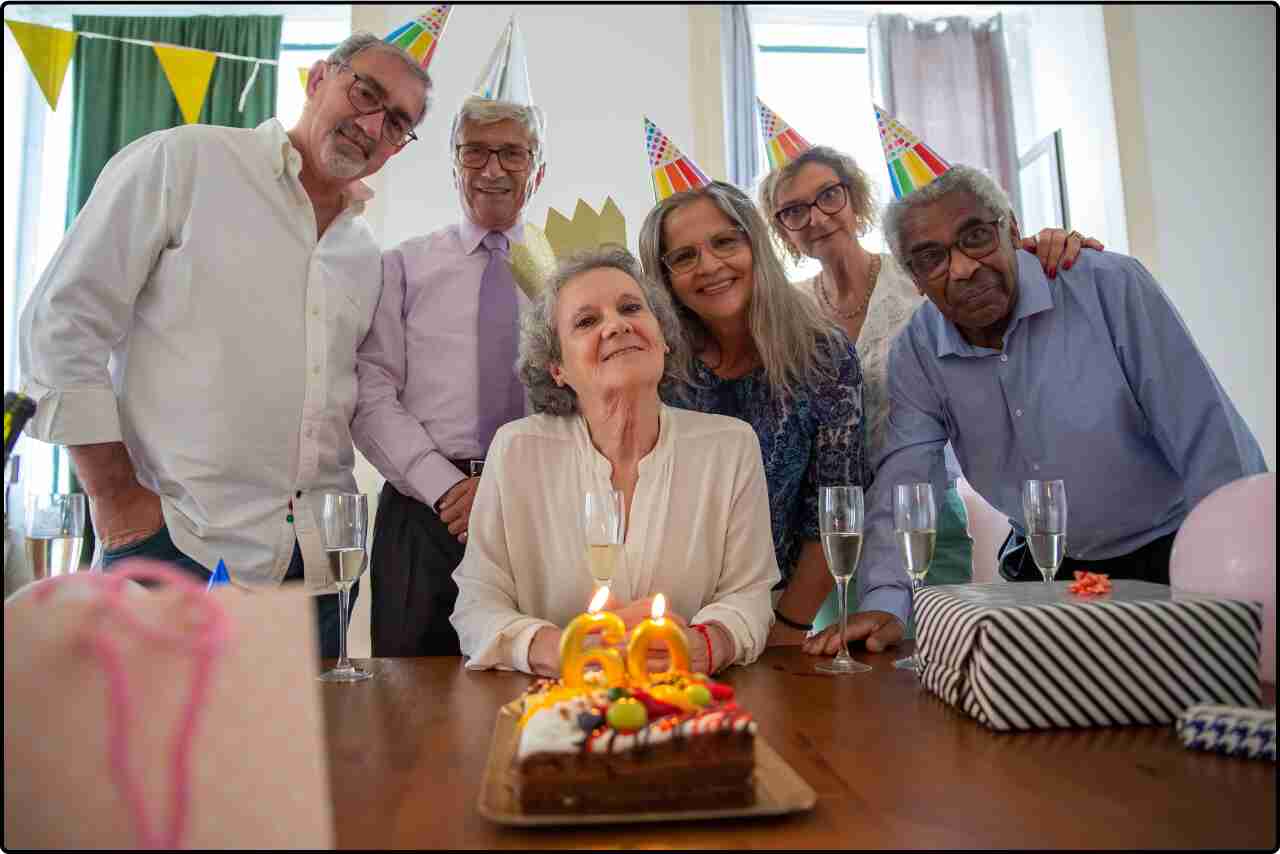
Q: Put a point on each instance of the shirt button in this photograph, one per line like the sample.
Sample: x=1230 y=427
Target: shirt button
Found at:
x=315 y=311
x=1035 y=466
x=316 y=370
x=309 y=432
x=1004 y=357
x=1017 y=412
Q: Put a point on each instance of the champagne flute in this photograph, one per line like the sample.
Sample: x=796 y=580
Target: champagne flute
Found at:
x=54 y=529
x=602 y=519
x=840 y=517
x=344 y=518
x=915 y=527
x=1044 y=503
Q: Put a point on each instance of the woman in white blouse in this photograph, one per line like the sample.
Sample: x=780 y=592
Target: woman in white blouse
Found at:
x=593 y=352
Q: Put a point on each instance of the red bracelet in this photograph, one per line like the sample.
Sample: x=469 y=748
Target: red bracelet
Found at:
x=706 y=636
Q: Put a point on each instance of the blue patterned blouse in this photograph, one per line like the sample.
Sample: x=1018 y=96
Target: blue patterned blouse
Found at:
x=817 y=438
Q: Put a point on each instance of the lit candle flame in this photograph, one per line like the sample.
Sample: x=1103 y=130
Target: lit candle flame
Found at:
x=659 y=607
x=597 y=601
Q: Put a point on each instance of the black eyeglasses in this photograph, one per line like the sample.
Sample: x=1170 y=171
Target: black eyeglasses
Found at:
x=513 y=158
x=977 y=242
x=367 y=99
x=830 y=201
x=722 y=244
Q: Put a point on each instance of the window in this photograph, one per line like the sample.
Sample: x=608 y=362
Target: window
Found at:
x=303 y=40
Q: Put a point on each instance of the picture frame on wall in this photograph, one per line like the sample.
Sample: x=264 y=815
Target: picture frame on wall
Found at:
x=1043 y=186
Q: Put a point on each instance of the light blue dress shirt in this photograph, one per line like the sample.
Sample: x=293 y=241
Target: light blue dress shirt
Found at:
x=1099 y=384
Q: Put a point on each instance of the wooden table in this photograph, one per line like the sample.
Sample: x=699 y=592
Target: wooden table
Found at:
x=893 y=767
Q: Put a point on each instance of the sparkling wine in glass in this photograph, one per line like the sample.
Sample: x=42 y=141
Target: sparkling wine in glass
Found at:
x=344 y=519
x=915 y=527
x=54 y=533
x=840 y=518
x=1044 y=504
x=602 y=520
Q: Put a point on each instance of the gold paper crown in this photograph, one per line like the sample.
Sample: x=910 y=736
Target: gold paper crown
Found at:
x=535 y=258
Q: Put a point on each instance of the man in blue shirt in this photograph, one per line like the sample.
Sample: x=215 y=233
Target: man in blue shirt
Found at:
x=1093 y=380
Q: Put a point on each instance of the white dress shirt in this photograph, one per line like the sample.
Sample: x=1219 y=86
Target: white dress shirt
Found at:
x=191 y=313
x=419 y=366
x=699 y=534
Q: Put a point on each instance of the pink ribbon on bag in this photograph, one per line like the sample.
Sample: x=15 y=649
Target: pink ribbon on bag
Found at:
x=206 y=640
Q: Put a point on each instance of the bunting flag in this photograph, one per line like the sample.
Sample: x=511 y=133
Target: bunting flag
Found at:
x=672 y=172
x=781 y=143
x=912 y=164
x=586 y=230
x=420 y=37
x=189 y=71
x=303 y=73
x=48 y=51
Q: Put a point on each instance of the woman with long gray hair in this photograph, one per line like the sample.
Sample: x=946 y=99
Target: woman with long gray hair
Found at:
x=763 y=352
x=594 y=350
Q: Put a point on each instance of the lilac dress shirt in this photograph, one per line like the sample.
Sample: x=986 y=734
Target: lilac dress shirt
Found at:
x=418 y=403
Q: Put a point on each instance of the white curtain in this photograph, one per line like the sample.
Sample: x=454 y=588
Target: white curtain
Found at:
x=742 y=144
x=948 y=81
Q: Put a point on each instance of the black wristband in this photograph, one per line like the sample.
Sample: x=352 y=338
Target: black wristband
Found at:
x=800 y=627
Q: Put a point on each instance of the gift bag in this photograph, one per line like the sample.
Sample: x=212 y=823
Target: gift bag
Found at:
x=162 y=718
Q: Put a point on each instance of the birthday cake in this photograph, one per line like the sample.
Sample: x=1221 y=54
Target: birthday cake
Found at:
x=678 y=743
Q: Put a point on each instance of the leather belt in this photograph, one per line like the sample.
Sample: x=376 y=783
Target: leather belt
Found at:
x=468 y=466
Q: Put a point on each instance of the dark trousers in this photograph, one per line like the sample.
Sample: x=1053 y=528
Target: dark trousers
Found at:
x=412 y=563
x=1148 y=563
x=159 y=546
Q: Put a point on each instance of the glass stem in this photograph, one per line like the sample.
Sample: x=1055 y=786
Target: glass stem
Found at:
x=343 y=663
x=841 y=588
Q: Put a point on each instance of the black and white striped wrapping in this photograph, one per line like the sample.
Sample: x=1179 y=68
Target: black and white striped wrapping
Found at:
x=1020 y=656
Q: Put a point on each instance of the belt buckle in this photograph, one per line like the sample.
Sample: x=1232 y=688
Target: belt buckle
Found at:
x=477 y=466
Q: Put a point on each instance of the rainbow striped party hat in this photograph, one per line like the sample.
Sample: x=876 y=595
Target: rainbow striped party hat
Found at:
x=420 y=36
x=672 y=171
x=781 y=142
x=912 y=164
x=506 y=76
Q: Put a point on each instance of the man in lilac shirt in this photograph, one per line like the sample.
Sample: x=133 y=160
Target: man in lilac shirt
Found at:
x=437 y=375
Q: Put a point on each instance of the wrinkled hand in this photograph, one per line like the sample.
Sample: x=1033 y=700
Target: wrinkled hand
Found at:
x=455 y=507
x=126 y=516
x=1056 y=248
x=880 y=628
x=544 y=651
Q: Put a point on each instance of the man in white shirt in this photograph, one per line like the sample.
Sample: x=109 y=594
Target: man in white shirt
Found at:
x=193 y=340
x=437 y=370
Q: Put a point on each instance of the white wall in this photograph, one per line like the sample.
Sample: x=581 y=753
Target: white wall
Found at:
x=1206 y=80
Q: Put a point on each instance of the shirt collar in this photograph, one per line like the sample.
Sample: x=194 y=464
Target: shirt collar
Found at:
x=1034 y=297
x=285 y=158
x=472 y=234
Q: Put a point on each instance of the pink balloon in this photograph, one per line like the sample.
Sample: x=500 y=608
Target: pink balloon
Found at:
x=1227 y=547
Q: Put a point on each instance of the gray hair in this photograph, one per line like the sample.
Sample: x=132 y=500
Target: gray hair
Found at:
x=484 y=111
x=540 y=340
x=786 y=326
x=358 y=42
x=862 y=193
x=958 y=179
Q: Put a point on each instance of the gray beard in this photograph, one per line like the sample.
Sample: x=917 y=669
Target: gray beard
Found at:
x=342 y=166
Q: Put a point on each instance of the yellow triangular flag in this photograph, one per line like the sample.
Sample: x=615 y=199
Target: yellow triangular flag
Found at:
x=48 y=51
x=303 y=71
x=189 y=72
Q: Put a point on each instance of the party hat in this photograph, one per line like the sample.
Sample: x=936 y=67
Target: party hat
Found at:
x=506 y=76
x=420 y=36
x=781 y=142
x=220 y=576
x=912 y=164
x=672 y=171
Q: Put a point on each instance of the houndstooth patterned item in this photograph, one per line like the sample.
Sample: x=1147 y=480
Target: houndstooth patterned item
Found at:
x=1033 y=656
x=1250 y=733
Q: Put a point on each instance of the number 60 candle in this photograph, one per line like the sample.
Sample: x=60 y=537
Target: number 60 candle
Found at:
x=574 y=656
x=657 y=628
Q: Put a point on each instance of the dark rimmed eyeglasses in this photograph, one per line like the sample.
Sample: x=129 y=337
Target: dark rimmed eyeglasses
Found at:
x=366 y=97
x=831 y=200
x=977 y=242
x=513 y=158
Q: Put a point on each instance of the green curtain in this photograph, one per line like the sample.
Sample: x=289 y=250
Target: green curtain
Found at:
x=121 y=93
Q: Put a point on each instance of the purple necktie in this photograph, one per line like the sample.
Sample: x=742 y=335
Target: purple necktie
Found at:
x=500 y=395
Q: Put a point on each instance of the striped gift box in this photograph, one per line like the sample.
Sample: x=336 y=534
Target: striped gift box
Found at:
x=1022 y=656
x=1250 y=733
